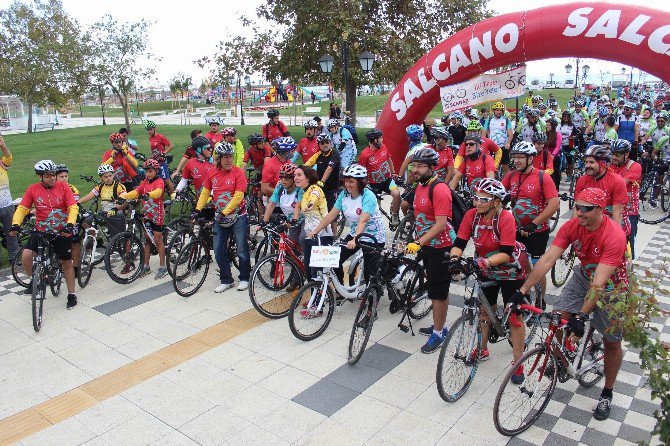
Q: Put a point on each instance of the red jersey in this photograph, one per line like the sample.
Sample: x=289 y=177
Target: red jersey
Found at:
x=152 y=208
x=124 y=172
x=271 y=171
x=223 y=184
x=189 y=153
x=540 y=164
x=273 y=131
x=477 y=169
x=257 y=156
x=158 y=143
x=307 y=148
x=214 y=137
x=51 y=205
x=197 y=171
x=487 y=146
x=631 y=171
x=376 y=162
x=425 y=212
x=529 y=199
x=606 y=245
x=615 y=188
x=446 y=160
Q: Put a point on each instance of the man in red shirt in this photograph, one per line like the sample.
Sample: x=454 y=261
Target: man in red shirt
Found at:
x=475 y=128
x=188 y=154
x=442 y=144
x=544 y=160
x=631 y=172
x=477 y=164
x=274 y=128
x=214 y=135
x=600 y=246
x=123 y=162
x=197 y=169
x=283 y=148
x=257 y=153
x=377 y=160
x=160 y=146
x=308 y=146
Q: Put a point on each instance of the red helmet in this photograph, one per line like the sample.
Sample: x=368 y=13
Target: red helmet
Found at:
x=229 y=131
x=115 y=137
x=287 y=169
x=151 y=164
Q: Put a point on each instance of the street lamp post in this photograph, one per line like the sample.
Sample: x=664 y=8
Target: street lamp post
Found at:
x=326 y=63
x=239 y=99
x=585 y=70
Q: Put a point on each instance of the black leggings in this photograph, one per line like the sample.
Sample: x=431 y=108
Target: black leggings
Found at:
x=369 y=259
x=556 y=176
x=508 y=287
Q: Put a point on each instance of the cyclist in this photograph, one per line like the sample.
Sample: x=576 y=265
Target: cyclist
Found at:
x=257 y=153
x=534 y=200
x=532 y=125
x=227 y=185
x=214 y=135
x=308 y=146
x=6 y=203
x=128 y=143
x=198 y=168
x=542 y=110
x=435 y=236
x=488 y=146
x=230 y=136
x=477 y=164
x=283 y=149
x=544 y=160
x=554 y=145
x=55 y=210
x=500 y=129
x=597 y=126
x=160 y=147
x=610 y=132
x=570 y=140
x=600 y=246
x=442 y=144
x=498 y=255
x=580 y=117
x=414 y=136
x=62 y=175
x=188 y=154
x=377 y=161
x=342 y=141
x=106 y=194
x=646 y=122
x=320 y=128
x=456 y=127
x=631 y=172
x=628 y=128
x=656 y=132
x=150 y=191
x=286 y=195
x=124 y=163
x=327 y=162
x=274 y=128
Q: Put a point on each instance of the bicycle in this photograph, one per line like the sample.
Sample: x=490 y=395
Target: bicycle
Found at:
x=192 y=263
x=47 y=269
x=518 y=406
x=459 y=355
x=655 y=194
x=563 y=267
x=404 y=279
x=18 y=273
x=90 y=254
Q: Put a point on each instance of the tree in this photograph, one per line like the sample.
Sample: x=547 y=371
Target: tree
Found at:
x=180 y=84
x=42 y=50
x=118 y=53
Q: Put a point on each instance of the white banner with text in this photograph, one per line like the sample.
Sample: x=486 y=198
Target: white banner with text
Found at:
x=485 y=88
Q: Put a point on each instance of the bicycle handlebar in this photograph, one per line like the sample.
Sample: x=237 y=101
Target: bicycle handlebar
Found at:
x=366 y=244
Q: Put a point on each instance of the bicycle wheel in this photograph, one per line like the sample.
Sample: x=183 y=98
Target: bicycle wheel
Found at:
x=553 y=220
x=457 y=366
x=571 y=190
x=271 y=284
x=532 y=320
x=179 y=239
x=190 y=269
x=18 y=273
x=124 y=258
x=417 y=292
x=653 y=202
x=360 y=332
x=594 y=351
x=103 y=241
x=306 y=323
x=518 y=406
x=87 y=258
x=562 y=268
x=38 y=296
x=405 y=230
x=55 y=275
x=263 y=248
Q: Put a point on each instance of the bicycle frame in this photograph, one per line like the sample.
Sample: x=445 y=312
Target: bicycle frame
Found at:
x=327 y=276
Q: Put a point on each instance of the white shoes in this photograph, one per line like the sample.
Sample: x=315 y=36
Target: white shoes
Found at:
x=244 y=285
x=223 y=287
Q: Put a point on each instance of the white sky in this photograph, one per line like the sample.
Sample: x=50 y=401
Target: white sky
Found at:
x=182 y=35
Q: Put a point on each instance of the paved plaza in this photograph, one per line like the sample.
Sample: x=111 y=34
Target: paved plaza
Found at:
x=137 y=364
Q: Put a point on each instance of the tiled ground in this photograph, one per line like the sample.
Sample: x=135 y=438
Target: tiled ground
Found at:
x=266 y=387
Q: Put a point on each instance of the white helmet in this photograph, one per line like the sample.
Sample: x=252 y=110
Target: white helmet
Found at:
x=491 y=186
x=332 y=122
x=45 y=166
x=355 y=171
x=311 y=124
x=105 y=168
x=524 y=148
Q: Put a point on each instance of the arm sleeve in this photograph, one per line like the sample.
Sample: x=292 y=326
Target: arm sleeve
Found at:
x=238 y=196
x=130 y=195
x=7 y=161
x=312 y=161
x=203 y=198
x=156 y=193
x=20 y=214
x=72 y=213
x=460 y=243
x=459 y=164
x=131 y=159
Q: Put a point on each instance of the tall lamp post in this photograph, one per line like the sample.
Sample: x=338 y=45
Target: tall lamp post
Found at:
x=623 y=71
x=326 y=63
x=585 y=70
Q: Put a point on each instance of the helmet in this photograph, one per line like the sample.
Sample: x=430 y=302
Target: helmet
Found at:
x=525 y=108
x=458 y=115
x=287 y=169
x=285 y=144
x=608 y=142
x=491 y=186
x=629 y=105
x=414 y=131
x=524 y=148
x=105 y=168
x=224 y=149
x=566 y=113
x=311 y=124
x=539 y=137
x=321 y=138
x=229 y=131
x=255 y=138
x=552 y=115
x=534 y=113
x=151 y=164
x=60 y=168
x=332 y=123
x=542 y=106
x=620 y=146
x=355 y=171
x=374 y=134
x=440 y=132
x=600 y=153
x=498 y=106
x=579 y=104
x=602 y=111
x=474 y=126
x=200 y=143
x=272 y=113
x=214 y=120
x=475 y=138
x=662 y=115
x=45 y=166
x=115 y=137
x=445 y=119
x=150 y=125
x=427 y=156
x=538 y=98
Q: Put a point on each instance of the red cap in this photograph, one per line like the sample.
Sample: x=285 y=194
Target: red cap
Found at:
x=593 y=195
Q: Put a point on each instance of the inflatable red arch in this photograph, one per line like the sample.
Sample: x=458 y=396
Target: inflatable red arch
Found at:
x=621 y=33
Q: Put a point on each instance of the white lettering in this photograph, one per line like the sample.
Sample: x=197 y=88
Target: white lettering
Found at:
x=510 y=30
x=411 y=92
x=477 y=47
x=458 y=59
x=656 y=43
x=630 y=34
x=439 y=74
x=607 y=25
x=426 y=84
x=578 y=21
x=398 y=106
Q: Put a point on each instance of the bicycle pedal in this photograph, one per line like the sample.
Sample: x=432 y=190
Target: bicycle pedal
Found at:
x=404 y=328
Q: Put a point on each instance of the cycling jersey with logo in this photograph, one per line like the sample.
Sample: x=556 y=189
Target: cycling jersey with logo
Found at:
x=376 y=162
x=565 y=131
x=197 y=171
x=124 y=171
x=477 y=169
x=152 y=208
x=51 y=205
x=615 y=189
x=286 y=200
x=497 y=129
x=223 y=184
x=307 y=148
x=158 y=143
x=425 y=212
x=272 y=131
x=599 y=130
x=631 y=171
x=538 y=161
x=214 y=137
x=257 y=156
x=645 y=126
x=445 y=161
x=606 y=245
x=579 y=118
x=527 y=132
x=314 y=207
x=271 y=171
x=529 y=199
x=352 y=208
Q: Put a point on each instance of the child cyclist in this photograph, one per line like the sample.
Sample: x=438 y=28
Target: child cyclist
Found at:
x=106 y=193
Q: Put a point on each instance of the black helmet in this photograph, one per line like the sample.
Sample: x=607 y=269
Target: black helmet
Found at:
x=374 y=134
x=255 y=138
x=426 y=155
x=440 y=132
x=620 y=146
x=539 y=137
x=200 y=143
x=600 y=153
x=60 y=168
x=272 y=113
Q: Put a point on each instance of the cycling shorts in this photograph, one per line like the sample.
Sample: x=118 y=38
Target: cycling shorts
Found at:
x=62 y=246
x=536 y=244
x=507 y=287
x=386 y=187
x=437 y=282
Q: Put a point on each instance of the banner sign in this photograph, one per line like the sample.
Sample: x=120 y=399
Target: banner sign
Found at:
x=325 y=257
x=485 y=88
x=320 y=91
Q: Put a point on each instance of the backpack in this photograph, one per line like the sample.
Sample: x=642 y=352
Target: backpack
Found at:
x=352 y=130
x=458 y=206
x=115 y=193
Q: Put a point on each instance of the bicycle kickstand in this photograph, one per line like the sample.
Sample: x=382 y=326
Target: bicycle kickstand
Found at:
x=406 y=328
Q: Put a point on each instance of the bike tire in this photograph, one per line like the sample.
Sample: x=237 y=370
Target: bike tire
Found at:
x=118 y=252
x=571 y=190
x=55 y=276
x=505 y=405
x=300 y=319
x=360 y=332
x=457 y=360
x=17 y=269
x=87 y=259
x=38 y=296
x=179 y=239
x=417 y=293
x=405 y=230
x=269 y=295
x=554 y=219
x=562 y=268
x=194 y=266
x=653 y=213
x=263 y=249
x=593 y=351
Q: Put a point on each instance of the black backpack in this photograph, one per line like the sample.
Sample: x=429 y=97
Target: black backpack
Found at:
x=458 y=206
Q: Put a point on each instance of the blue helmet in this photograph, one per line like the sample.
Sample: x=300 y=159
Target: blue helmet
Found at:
x=285 y=144
x=602 y=111
x=415 y=132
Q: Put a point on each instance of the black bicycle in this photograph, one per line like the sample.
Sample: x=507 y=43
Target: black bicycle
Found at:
x=47 y=270
x=192 y=263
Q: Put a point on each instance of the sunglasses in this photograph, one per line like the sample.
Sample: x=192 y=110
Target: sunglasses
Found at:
x=584 y=208
x=149 y=169
x=285 y=177
x=482 y=199
x=470 y=144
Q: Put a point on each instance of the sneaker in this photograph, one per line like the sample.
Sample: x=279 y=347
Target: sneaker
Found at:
x=162 y=272
x=434 y=343
x=223 y=287
x=145 y=271
x=518 y=377
x=244 y=285
x=127 y=268
x=71 y=301
x=428 y=331
x=483 y=355
x=602 y=411
x=29 y=290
